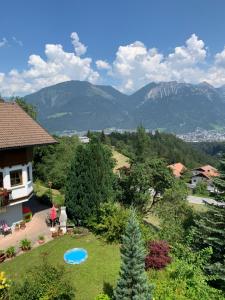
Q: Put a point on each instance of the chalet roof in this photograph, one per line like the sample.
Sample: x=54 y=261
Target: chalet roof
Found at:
x=202 y=174
x=177 y=169
x=18 y=129
x=208 y=170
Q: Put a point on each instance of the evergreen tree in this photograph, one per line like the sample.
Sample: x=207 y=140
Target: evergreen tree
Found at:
x=133 y=282
x=219 y=182
x=142 y=144
x=89 y=181
x=209 y=232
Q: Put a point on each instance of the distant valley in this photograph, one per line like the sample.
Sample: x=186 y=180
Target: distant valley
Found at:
x=170 y=106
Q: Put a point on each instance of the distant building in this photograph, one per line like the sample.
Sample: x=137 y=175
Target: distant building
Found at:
x=19 y=133
x=204 y=174
x=178 y=169
x=84 y=139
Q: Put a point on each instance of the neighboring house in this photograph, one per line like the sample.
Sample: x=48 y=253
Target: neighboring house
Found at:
x=204 y=174
x=19 y=133
x=177 y=169
x=84 y=139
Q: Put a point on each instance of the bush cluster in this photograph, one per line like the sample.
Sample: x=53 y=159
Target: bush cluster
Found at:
x=158 y=256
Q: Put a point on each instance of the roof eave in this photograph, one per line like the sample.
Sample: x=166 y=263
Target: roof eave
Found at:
x=27 y=146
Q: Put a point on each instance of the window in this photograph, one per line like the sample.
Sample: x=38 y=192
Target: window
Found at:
x=28 y=174
x=1 y=180
x=16 y=177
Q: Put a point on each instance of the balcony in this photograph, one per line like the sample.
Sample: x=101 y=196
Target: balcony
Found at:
x=4 y=197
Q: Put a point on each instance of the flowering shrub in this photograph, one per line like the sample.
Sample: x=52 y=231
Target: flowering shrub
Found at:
x=4 y=285
x=158 y=256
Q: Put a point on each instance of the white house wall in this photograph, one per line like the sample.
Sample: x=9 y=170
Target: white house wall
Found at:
x=19 y=191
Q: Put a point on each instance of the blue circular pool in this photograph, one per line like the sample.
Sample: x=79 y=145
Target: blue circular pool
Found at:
x=75 y=256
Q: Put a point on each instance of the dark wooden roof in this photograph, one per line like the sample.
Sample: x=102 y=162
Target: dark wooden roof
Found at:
x=18 y=129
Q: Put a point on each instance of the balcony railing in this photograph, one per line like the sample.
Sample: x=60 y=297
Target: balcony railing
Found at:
x=4 y=197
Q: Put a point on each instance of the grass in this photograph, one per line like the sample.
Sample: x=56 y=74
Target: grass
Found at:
x=89 y=278
x=121 y=160
x=198 y=207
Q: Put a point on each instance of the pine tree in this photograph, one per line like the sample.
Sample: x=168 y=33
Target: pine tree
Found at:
x=219 y=182
x=142 y=144
x=89 y=181
x=209 y=232
x=133 y=282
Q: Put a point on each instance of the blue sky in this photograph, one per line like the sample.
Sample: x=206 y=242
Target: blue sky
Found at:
x=133 y=42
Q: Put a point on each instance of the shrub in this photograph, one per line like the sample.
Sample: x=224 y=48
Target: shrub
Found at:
x=46 y=282
x=4 y=286
x=25 y=244
x=110 y=221
x=11 y=252
x=158 y=257
x=102 y=297
x=201 y=189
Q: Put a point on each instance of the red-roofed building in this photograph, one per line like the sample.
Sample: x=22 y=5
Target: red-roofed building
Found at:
x=178 y=169
x=204 y=174
x=19 y=133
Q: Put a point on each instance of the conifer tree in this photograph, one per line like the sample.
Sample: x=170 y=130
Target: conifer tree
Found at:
x=89 y=181
x=219 y=182
x=209 y=232
x=132 y=283
x=142 y=144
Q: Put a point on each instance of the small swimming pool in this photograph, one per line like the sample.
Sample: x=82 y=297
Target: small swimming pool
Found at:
x=75 y=256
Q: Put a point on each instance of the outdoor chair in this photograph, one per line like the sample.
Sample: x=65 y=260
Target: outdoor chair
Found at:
x=5 y=229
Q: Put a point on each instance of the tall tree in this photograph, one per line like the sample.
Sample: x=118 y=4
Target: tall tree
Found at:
x=146 y=183
x=27 y=107
x=133 y=282
x=142 y=144
x=219 y=182
x=89 y=181
x=209 y=232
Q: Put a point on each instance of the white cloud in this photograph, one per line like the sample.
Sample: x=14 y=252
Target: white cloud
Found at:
x=3 y=42
x=102 y=65
x=134 y=66
x=58 y=66
x=79 y=48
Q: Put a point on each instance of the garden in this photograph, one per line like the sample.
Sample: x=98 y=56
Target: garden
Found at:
x=139 y=229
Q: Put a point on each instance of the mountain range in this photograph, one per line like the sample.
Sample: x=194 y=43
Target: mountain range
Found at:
x=170 y=106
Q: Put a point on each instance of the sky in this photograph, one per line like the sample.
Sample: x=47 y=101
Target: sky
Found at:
x=124 y=43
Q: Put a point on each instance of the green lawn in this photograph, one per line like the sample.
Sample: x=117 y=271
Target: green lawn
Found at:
x=101 y=267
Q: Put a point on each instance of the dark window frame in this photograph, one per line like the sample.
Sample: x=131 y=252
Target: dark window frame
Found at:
x=28 y=174
x=16 y=177
x=1 y=180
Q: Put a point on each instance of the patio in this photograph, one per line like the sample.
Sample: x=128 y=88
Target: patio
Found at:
x=36 y=227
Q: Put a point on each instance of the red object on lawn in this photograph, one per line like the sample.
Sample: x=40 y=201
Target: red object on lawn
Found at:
x=53 y=213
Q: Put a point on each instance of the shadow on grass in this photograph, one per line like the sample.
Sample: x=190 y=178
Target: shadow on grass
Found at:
x=108 y=289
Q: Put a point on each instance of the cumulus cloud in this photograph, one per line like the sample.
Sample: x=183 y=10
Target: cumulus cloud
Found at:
x=79 y=48
x=3 y=42
x=102 y=65
x=57 y=66
x=134 y=66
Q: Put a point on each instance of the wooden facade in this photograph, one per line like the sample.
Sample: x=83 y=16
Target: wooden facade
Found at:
x=13 y=157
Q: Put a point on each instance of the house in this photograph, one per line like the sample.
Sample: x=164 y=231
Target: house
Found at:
x=204 y=174
x=84 y=139
x=19 y=133
x=177 y=169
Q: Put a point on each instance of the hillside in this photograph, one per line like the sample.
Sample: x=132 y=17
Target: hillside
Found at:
x=169 y=106
x=78 y=105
